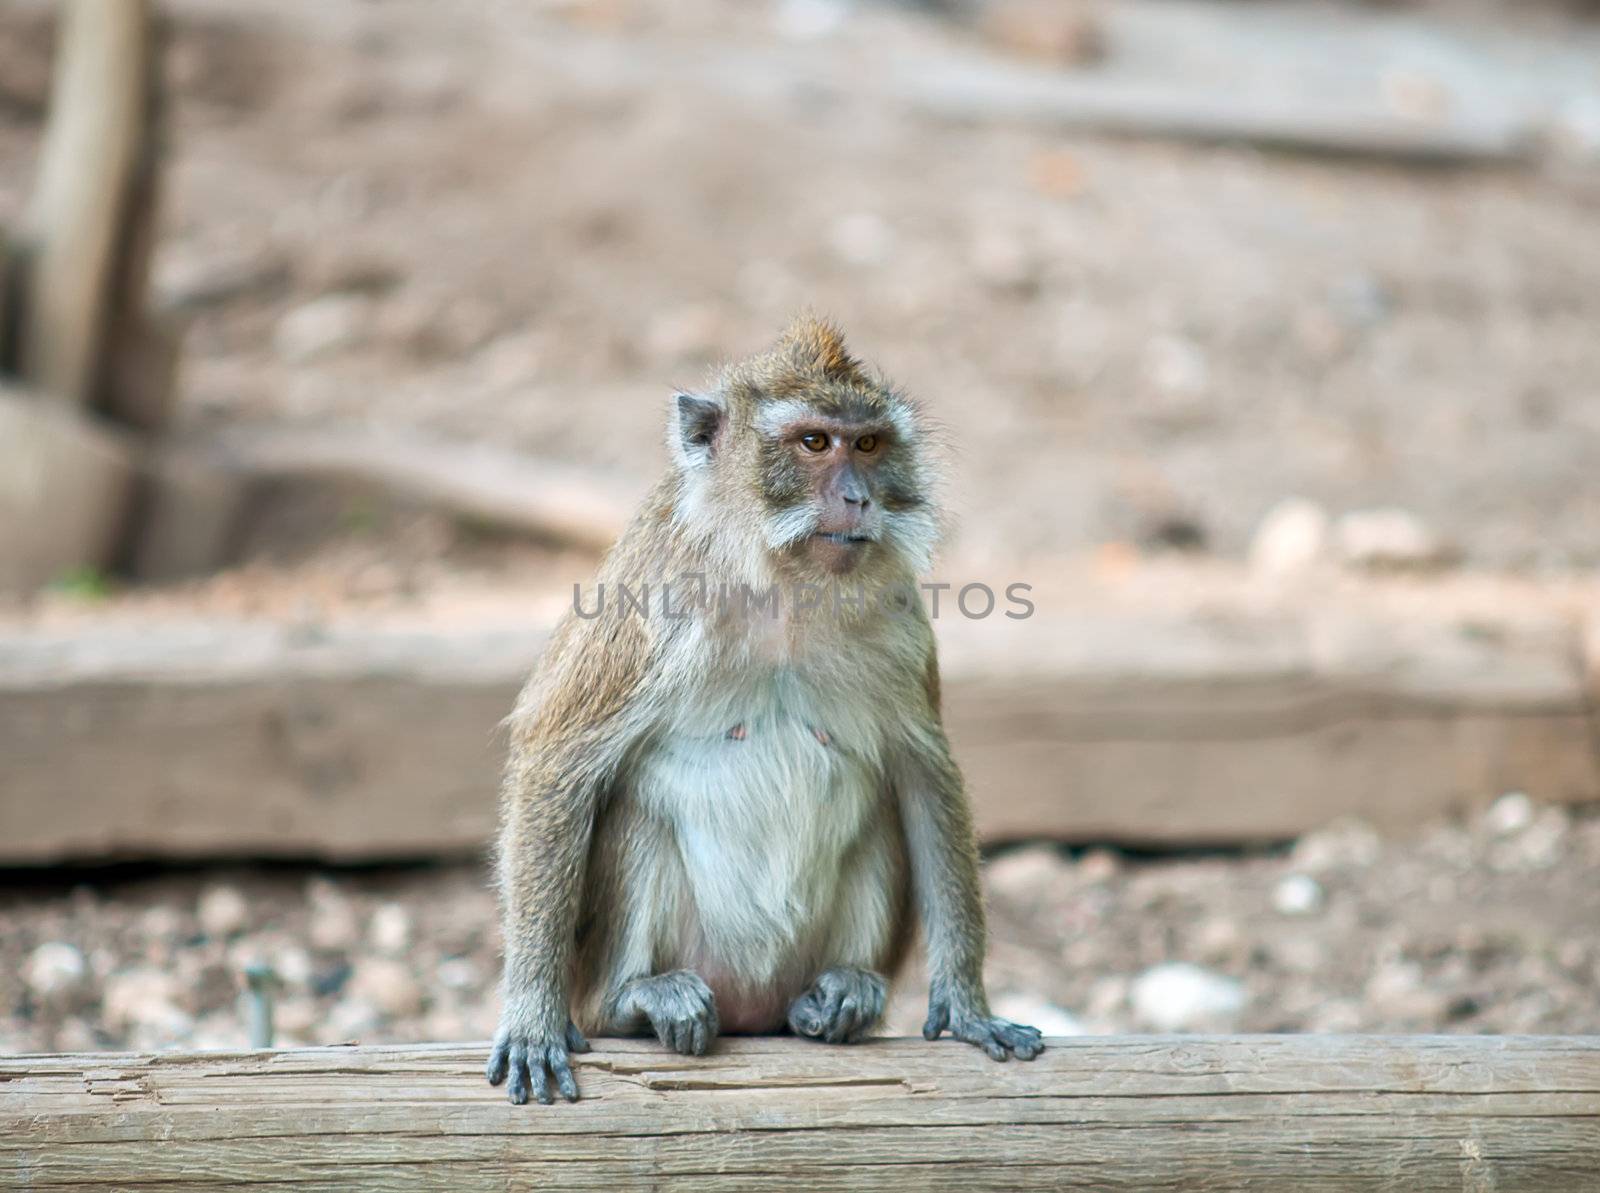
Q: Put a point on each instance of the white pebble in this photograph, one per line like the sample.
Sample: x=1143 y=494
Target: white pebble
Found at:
x=1176 y=996
x=1298 y=894
x=390 y=931
x=1292 y=537
x=55 y=967
x=222 y=911
x=321 y=326
x=1389 y=538
x=386 y=986
x=1509 y=814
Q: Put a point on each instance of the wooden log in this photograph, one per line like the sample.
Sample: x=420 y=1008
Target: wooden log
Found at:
x=474 y=481
x=75 y=219
x=1307 y=1113
x=378 y=737
x=65 y=484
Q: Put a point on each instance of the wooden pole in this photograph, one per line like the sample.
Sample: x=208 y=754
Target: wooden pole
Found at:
x=1306 y=1113
x=74 y=227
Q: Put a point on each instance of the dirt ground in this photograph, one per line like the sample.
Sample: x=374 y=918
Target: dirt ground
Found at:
x=526 y=222
x=1482 y=927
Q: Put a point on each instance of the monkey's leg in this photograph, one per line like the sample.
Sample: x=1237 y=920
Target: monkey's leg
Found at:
x=679 y=1006
x=841 y=1006
x=869 y=922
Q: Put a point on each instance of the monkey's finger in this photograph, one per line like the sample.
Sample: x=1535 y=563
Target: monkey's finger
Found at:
x=938 y=1020
x=992 y=1047
x=565 y=1081
x=517 y=1090
x=575 y=1039
x=539 y=1067
x=499 y=1063
x=1025 y=1042
x=663 y=1031
x=843 y=1022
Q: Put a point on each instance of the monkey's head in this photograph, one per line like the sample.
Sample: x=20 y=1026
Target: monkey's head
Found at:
x=802 y=458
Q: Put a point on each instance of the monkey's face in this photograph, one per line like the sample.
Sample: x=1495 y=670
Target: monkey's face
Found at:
x=823 y=486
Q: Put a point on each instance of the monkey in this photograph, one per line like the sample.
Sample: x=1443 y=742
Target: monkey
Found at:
x=718 y=819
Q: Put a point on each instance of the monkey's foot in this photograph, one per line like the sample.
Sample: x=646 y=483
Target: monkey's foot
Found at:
x=681 y=1008
x=841 y=1006
x=1000 y=1039
x=531 y=1061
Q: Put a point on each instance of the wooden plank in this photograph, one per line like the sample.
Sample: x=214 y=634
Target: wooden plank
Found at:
x=75 y=218
x=379 y=737
x=1303 y=1112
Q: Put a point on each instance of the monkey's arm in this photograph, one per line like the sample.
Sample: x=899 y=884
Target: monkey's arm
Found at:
x=944 y=874
x=570 y=736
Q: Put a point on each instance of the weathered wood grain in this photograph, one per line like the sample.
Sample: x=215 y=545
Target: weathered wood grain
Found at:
x=367 y=738
x=1301 y=1112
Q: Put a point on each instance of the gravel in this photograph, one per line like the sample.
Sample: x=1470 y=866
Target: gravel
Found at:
x=1488 y=926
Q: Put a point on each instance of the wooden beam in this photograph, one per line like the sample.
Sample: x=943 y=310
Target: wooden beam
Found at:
x=1307 y=1113
x=378 y=736
x=75 y=223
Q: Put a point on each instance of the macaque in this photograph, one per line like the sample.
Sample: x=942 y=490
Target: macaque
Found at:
x=729 y=815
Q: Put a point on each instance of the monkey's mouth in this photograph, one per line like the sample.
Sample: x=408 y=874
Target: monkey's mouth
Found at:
x=843 y=538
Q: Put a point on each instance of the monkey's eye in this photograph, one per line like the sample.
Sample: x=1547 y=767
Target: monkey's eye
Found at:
x=867 y=444
x=816 y=441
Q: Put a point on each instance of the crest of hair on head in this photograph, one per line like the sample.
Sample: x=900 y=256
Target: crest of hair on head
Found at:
x=816 y=346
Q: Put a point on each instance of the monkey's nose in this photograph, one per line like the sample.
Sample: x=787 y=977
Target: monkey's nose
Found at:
x=860 y=499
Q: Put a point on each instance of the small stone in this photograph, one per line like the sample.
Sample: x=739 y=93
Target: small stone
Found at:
x=390 y=930
x=1026 y=875
x=296 y=1017
x=161 y=922
x=334 y=926
x=1343 y=844
x=222 y=911
x=294 y=965
x=349 y=1020
x=1291 y=538
x=1098 y=865
x=1176 y=997
x=1037 y=1012
x=147 y=999
x=1509 y=814
x=1219 y=939
x=1389 y=538
x=322 y=326
x=387 y=986
x=54 y=969
x=1298 y=895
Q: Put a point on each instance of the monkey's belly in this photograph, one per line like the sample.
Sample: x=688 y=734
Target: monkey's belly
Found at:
x=775 y=831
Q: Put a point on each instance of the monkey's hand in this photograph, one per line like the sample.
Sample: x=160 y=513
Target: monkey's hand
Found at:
x=532 y=1058
x=999 y=1038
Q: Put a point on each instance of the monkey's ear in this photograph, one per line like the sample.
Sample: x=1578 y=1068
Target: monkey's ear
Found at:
x=697 y=423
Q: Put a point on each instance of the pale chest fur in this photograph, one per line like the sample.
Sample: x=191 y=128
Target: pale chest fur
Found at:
x=768 y=774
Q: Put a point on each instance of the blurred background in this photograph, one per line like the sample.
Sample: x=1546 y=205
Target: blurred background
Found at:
x=335 y=337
